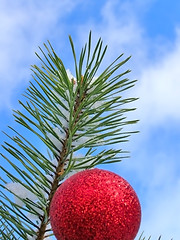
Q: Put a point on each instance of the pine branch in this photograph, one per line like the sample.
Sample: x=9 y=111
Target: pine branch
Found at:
x=79 y=120
x=149 y=238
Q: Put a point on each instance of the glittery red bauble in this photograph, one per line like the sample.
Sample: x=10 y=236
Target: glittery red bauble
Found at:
x=95 y=205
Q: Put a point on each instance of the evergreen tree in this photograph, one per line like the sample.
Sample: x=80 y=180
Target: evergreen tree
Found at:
x=78 y=120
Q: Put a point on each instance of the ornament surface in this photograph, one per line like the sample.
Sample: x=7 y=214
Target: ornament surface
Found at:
x=95 y=205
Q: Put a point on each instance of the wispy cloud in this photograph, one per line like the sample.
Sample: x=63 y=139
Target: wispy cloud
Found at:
x=23 y=26
x=161 y=215
x=156 y=66
x=159 y=88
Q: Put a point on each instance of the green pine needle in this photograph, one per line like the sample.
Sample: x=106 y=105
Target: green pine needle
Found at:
x=81 y=121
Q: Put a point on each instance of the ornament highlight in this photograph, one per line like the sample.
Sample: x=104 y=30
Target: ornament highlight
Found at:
x=95 y=205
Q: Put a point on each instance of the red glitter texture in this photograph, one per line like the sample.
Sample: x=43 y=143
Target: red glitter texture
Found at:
x=95 y=205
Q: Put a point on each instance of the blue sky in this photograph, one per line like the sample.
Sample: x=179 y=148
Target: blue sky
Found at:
x=150 y=32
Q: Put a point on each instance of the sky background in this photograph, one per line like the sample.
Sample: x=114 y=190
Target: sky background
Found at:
x=150 y=32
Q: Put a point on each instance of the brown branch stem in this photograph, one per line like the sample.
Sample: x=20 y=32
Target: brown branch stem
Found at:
x=59 y=171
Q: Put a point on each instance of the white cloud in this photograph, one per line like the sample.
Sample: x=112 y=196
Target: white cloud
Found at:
x=161 y=215
x=158 y=73
x=24 y=25
x=120 y=28
x=159 y=89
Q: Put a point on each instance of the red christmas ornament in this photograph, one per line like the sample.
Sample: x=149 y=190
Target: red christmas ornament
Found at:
x=95 y=205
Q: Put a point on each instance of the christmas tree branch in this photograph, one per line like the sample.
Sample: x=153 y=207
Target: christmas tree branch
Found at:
x=60 y=169
x=78 y=119
x=149 y=238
